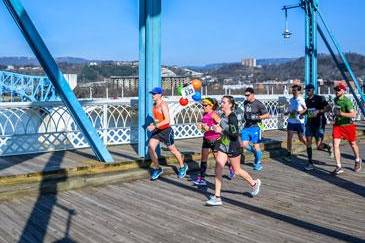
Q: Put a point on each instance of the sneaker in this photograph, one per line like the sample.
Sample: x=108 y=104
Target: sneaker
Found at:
x=200 y=181
x=309 y=167
x=256 y=188
x=258 y=166
x=214 y=201
x=288 y=158
x=337 y=171
x=357 y=167
x=155 y=173
x=182 y=171
x=231 y=173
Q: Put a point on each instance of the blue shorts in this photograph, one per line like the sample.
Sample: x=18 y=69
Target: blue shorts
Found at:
x=314 y=131
x=296 y=127
x=251 y=134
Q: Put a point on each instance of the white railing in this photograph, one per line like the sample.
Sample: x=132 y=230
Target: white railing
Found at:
x=48 y=126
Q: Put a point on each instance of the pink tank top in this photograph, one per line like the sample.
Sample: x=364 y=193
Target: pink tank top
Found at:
x=210 y=135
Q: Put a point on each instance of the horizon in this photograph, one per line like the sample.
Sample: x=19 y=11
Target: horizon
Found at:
x=189 y=30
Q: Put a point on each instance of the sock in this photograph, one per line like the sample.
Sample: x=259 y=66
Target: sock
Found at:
x=251 y=149
x=203 y=168
x=309 y=153
x=258 y=156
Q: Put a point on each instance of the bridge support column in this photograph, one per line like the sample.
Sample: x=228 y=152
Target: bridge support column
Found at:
x=310 y=76
x=49 y=65
x=149 y=65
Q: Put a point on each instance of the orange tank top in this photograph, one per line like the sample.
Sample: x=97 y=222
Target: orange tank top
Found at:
x=158 y=116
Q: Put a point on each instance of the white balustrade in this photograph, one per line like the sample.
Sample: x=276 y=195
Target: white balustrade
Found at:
x=48 y=126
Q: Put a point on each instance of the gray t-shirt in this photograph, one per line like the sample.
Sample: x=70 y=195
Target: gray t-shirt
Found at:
x=253 y=108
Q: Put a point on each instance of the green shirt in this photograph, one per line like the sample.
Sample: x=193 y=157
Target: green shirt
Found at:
x=345 y=105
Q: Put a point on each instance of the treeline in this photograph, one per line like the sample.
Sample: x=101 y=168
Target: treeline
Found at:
x=327 y=69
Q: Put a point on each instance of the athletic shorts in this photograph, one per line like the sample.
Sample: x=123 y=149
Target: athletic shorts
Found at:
x=296 y=127
x=315 y=131
x=233 y=150
x=251 y=134
x=165 y=136
x=209 y=144
x=346 y=132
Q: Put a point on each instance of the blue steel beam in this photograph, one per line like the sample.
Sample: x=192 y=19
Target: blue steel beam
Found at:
x=313 y=10
x=345 y=77
x=49 y=65
x=307 y=67
x=142 y=138
x=149 y=64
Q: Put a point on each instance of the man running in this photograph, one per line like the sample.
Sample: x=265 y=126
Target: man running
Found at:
x=316 y=122
x=297 y=109
x=344 y=128
x=254 y=112
x=162 y=132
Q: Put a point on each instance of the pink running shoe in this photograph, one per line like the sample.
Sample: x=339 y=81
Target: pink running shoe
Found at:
x=231 y=173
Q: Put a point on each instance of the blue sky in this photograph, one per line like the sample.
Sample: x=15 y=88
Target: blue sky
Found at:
x=194 y=32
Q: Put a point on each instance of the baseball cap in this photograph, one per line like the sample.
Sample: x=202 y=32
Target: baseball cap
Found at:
x=309 y=86
x=156 y=90
x=341 y=86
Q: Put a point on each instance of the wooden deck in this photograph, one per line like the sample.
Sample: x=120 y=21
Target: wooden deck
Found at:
x=46 y=162
x=294 y=206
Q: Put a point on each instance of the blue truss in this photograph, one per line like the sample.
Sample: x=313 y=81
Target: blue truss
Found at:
x=19 y=87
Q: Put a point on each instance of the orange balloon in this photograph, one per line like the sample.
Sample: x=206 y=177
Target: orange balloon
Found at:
x=197 y=84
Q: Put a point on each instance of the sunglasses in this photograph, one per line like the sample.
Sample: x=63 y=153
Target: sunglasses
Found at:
x=205 y=105
x=295 y=90
x=247 y=95
x=338 y=89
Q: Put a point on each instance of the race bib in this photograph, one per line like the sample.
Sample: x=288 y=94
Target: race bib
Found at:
x=187 y=91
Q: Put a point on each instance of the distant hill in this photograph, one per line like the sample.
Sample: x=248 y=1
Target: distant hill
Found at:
x=31 y=61
x=263 y=62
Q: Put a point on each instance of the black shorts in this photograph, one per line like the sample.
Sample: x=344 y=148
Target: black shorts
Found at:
x=232 y=150
x=209 y=144
x=165 y=136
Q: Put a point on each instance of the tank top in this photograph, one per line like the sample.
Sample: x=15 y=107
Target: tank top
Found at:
x=208 y=120
x=158 y=117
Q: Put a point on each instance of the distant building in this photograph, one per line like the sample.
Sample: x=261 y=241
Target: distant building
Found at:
x=249 y=62
x=10 y=68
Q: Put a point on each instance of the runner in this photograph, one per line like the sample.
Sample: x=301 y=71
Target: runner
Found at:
x=210 y=137
x=344 y=128
x=254 y=112
x=162 y=132
x=297 y=108
x=229 y=148
x=316 y=122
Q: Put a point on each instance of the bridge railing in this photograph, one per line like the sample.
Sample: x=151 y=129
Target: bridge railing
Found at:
x=32 y=127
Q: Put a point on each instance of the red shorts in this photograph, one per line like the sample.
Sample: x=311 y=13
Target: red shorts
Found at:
x=347 y=132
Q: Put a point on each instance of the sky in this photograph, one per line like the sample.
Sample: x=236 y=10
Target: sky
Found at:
x=194 y=32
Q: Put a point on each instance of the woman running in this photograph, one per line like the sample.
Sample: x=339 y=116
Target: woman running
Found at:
x=228 y=148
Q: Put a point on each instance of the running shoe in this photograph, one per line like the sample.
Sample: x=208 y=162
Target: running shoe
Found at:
x=231 y=173
x=337 y=171
x=357 y=167
x=309 y=167
x=155 y=173
x=257 y=166
x=256 y=188
x=214 y=201
x=182 y=171
x=200 y=181
x=288 y=158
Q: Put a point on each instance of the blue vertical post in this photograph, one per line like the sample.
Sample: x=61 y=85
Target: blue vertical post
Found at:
x=142 y=138
x=54 y=74
x=307 y=66
x=313 y=10
x=149 y=63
